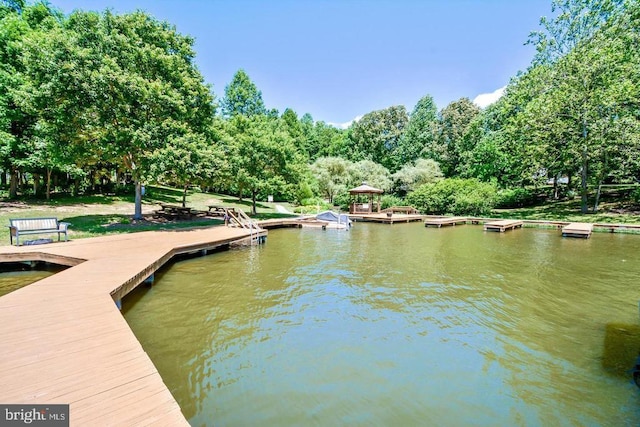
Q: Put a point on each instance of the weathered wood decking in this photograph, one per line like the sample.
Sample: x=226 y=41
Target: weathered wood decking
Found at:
x=385 y=218
x=439 y=222
x=502 y=226
x=577 y=229
x=65 y=341
x=270 y=224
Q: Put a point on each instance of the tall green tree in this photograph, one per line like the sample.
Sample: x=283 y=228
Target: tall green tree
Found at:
x=265 y=160
x=242 y=97
x=120 y=87
x=449 y=144
x=420 y=130
x=574 y=22
x=189 y=160
x=332 y=175
x=592 y=104
x=411 y=175
x=374 y=174
x=377 y=135
x=18 y=121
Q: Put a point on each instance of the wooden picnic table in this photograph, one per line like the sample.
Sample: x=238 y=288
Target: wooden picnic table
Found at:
x=175 y=211
x=220 y=210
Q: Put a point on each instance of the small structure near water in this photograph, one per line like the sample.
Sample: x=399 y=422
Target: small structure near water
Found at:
x=357 y=206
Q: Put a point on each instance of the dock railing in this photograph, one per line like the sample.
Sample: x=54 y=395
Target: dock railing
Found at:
x=238 y=218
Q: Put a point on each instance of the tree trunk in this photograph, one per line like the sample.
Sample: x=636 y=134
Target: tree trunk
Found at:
x=555 y=188
x=76 y=186
x=595 y=205
x=138 y=200
x=49 y=170
x=36 y=184
x=184 y=196
x=583 y=181
x=13 y=185
x=253 y=202
x=3 y=179
x=22 y=179
x=583 y=175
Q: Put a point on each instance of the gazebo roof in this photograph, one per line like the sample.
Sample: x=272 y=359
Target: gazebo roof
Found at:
x=365 y=189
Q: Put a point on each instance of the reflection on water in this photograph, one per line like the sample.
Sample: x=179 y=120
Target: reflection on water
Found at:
x=397 y=325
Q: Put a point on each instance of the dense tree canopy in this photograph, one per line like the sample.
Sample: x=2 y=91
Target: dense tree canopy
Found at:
x=93 y=99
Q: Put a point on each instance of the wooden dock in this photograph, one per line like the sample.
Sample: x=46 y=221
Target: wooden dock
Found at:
x=385 y=218
x=502 y=226
x=310 y=222
x=578 y=229
x=439 y=222
x=65 y=341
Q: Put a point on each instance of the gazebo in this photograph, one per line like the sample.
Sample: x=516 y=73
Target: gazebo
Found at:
x=356 y=206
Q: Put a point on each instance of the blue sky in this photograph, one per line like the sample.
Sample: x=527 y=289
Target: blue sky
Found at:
x=340 y=59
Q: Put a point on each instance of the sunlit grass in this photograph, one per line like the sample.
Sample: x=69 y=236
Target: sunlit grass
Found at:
x=96 y=215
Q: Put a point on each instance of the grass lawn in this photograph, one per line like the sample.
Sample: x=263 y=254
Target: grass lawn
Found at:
x=97 y=215
x=610 y=211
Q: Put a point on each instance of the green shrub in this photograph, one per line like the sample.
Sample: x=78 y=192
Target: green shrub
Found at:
x=515 y=198
x=454 y=196
x=303 y=192
x=342 y=201
x=635 y=196
x=389 y=201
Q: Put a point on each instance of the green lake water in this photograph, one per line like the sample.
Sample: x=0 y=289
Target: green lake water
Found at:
x=14 y=280
x=400 y=325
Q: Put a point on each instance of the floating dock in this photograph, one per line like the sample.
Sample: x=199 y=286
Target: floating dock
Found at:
x=386 y=218
x=578 y=229
x=64 y=340
x=439 y=222
x=502 y=226
x=311 y=222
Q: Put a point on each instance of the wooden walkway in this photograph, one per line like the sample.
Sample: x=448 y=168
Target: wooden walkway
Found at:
x=502 y=226
x=385 y=219
x=439 y=222
x=65 y=341
x=577 y=229
x=270 y=224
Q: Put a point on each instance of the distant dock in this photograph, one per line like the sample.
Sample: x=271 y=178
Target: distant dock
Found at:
x=578 y=229
x=386 y=218
x=439 y=222
x=502 y=226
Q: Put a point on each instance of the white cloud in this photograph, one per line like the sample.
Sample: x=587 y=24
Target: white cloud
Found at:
x=345 y=125
x=485 y=99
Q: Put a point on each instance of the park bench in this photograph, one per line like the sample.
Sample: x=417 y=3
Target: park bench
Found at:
x=25 y=226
